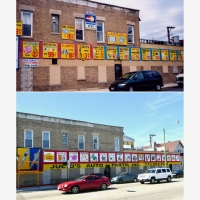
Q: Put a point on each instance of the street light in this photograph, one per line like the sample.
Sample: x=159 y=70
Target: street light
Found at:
x=176 y=122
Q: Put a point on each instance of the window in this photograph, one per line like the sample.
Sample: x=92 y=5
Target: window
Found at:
x=100 y=31
x=168 y=170
x=95 y=143
x=116 y=144
x=46 y=140
x=81 y=142
x=27 y=20
x=79 y=29
x=65 y=139
x=139 y=76
x=28 y=138
x=159 y=171
x=55 y=23
x=163 y=170
x=130 y=34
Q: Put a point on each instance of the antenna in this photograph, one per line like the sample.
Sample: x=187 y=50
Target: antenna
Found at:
x=168 y=32
x=151 y=135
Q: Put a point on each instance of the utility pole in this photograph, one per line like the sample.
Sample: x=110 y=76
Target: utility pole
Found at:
x=151 y=135
x=168 y=32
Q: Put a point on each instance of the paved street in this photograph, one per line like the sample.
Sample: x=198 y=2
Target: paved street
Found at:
x=128 y=191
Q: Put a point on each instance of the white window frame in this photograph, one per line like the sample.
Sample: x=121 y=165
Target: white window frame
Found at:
x=58 y=22
x=131 y=34
x=25 y=137
x=43 y=139
x=102 y=32
x=83 y=29
x=83 y=142
x=117 y=147
x=24 y=11
x=67 y=139
x=97 y=142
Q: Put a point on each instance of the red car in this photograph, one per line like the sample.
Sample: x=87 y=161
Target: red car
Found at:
x=86 y=182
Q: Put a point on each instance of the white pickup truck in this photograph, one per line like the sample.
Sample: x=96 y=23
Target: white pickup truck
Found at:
x=155 y=174
x=180 y=78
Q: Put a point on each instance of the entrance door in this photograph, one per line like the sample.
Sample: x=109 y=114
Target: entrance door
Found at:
x=107 y=171
x=170 y=166
x=118 y=71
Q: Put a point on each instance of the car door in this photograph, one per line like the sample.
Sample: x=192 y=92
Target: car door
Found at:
x=88 y=183
x=137 y=81
x=159 y=174
x=149 y=82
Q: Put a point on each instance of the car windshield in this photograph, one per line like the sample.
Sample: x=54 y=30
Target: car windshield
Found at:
x=80 y=178
x=122 y=174
x=150 y=171
x=127 y=75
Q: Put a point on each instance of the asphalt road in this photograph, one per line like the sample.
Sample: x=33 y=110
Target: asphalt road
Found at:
x=127 y=191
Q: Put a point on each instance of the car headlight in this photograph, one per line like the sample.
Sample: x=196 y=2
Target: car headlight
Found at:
x=122 y=84
x=65 y=185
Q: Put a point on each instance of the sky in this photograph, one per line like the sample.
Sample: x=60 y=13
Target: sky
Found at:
x=155 y=16
x=140 y=114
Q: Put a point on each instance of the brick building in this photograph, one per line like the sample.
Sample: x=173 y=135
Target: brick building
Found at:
x=77 y=44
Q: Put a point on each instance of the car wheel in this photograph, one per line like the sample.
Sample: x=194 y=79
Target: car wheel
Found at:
x=153 y=180
x=134 y=180
x=75 y=190
x=131 y=89
x=142 y=182
x=103 y=186
x=168 y=179
x=158 y=88
x=120 y=181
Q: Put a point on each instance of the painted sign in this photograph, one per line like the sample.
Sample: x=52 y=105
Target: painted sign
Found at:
x=180 y=56
x=84 y=157
x=117 y=38
x=30 y=49
x=73 y=156
x=134 y=157
x=50 y=50
x=124 y=53
x=158 y=157
x=61 y=156
x=90 y=20
x=30 y=62
x=48 y=156
x=120 y=157
x=165 y=55
x=83 y=51
x=93 y=157
x=111 y=53
x=146 y=54
x=147 y=157
x=103 y=157
x=111 y=157
x=135 y=53
x=141 y=157
x=127 y=157
x=98 y=52
x=19 y=27
x=155 y=54
x=67 y=51
x=67 y=32
x=172 y=55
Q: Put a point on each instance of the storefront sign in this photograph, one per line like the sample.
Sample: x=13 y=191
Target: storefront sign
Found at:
x=61 y=156
x=180 y=56
x=111 y=53
x=165 y=55
x=98 y=52
x=67 y=32
x=155 y=54
x=19 y=27
x=30 y=62
x=67 y=51
x=117 y=38
x=49 y=156
x=135 y=53
x=172 y=55
x=90 y=20
x=124 y=53
x=146 y=54
x=50 y=50
x=30 y=49
x=83 y=51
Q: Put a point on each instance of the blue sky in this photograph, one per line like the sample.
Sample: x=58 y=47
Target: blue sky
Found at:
x=155 y=16
x=140 y=114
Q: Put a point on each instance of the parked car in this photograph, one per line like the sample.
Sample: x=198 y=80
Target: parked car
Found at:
x=155 y=174
x=138 y=80
x=124 y=177
x=86 y=182
x=178 y=173
x=180 y=78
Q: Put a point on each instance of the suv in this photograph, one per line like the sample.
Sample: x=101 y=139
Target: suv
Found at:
x=155 y=174
x=138 y=80
x=180 y=79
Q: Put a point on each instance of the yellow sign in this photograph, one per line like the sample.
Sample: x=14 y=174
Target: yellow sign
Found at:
x=135 y=53
x=68 y=32
x=98 y=52
x=172 y=55
x=146 y=54
x=67 y=51
x=155 y=54
x=23 y=158
x=117 y=38
x=83 y=51
x=19 y=27
x=111 y=53
x=165 y=55
x=124 y=53
x=30 y=49
x=50 y=50
x=48 y=156
x=180 y=56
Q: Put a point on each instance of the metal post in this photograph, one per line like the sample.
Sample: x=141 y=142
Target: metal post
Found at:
x=165 y=149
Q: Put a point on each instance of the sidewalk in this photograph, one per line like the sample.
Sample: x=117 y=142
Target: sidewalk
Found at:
x=35 y=188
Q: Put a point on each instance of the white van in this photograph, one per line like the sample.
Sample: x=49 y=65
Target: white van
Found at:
x=180 y=79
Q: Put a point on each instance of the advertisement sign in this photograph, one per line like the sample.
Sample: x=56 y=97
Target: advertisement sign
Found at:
x=135 y=53
x=111 y=157
x=146 y=54
x=98 y=52
x=30 y=62
x=155 y=54
x=147 y=157
x=61 y=156
x=93 y=157
x=19 y=27
x=83 y=51
x=127 y=157
x=165 y=55
x=50 y=50
x=17 y=52
x=30 y=49
x=73 y=156
x=180 y=56
x=67 y=32
x=124 y=53
x=117 y=38
x=67 y=51
x=172 y=55
x=119 y=157
x=90 y=20
x=103 y=157
x=49 y=156
x=84 y=157
x=111 y=53
x=134 y=157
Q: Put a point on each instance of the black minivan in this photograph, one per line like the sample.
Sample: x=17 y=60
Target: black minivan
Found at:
x=138 y=80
